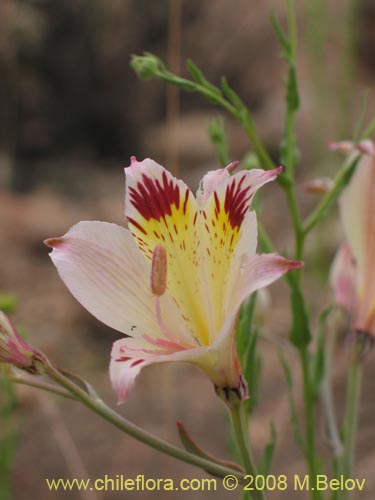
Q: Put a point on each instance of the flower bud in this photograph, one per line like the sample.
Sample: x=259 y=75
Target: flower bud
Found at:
x=320 y=185
x=13 y=349
x=145 y=66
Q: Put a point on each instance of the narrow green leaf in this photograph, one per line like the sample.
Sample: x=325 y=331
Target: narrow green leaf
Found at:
x=216 y=131
x=292 y=95
x=362 y=111
x=281 y=36
x=370 y=130
x=292 y=407
x=232 y=96
x=190 y=445
x=300 y=335
x=318 y=369
x=199 y=77
x=8 y=435
x=244 y=325
x=265 y=464
x=251 y=364
x=196 y=73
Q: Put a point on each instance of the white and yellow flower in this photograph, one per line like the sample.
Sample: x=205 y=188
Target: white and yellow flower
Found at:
x=175 y=280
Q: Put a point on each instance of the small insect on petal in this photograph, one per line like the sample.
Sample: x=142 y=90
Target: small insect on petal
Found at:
x=159 y=270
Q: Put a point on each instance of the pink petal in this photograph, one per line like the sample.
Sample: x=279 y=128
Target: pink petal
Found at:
x=343 y=278
x=101 y=265
x=320 y=185
x=357 y=207
x=130 y=356
x=366 y=147
x=209 y=183
x=342 y=146
x=258 y=272
x=13 y=349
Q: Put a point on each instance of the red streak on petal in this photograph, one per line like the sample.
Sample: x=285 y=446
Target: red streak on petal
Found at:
x=185 y=201
x=138 y=226
x=217 y=202
x=154 y=199
x=236 y=202
x=136 y=362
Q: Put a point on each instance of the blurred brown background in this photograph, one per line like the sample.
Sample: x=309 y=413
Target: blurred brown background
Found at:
x=71 y=114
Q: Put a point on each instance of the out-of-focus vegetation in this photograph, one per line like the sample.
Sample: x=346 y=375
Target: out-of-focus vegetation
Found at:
x=66 y=86
x=69 y=102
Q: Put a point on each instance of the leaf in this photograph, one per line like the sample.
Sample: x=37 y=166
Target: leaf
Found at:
x=318 y=369
x=265 y=464
x=281 y=36
x=8 y=436
x=199 y=77
x=292 y=407
x=232 y=96
x=300 y=335
x=292 y=95
x=244 y=325
x=193 y=448
x=247 y=339
x=216 y=131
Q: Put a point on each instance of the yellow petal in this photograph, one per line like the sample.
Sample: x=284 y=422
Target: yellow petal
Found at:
x=161 y=209
x=223 y=216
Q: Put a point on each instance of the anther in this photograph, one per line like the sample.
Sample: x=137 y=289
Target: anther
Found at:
x=159 y=270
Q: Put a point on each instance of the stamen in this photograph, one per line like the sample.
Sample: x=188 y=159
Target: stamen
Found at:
x=159 y=270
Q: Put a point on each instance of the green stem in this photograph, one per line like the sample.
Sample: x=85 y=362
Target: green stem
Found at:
x=240 y=429
x=45 y=386
x=100 y=408
x=214 y=94
x=351 y=412
x=309 y=421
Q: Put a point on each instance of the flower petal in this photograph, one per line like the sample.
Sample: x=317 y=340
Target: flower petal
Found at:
x=129 y=356
x=342 y=146
x=103 y=268
x=357 y=207
x=211 y=180
x=343 y=278
x=162 y=209
x=224 y=214
x=257 y=272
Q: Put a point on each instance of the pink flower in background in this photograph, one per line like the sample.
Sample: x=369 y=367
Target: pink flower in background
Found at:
x=175 y=280
x=353 y=273
x=13 y=349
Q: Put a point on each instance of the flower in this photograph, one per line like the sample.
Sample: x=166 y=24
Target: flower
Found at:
x=13 y=349
x=319 y=185
x=175 y=280
x=353 y=270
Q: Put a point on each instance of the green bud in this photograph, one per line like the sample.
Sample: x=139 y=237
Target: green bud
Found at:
x=146 y=66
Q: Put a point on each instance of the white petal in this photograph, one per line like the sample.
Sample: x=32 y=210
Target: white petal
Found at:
x=129 y=356
x=103 y=268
